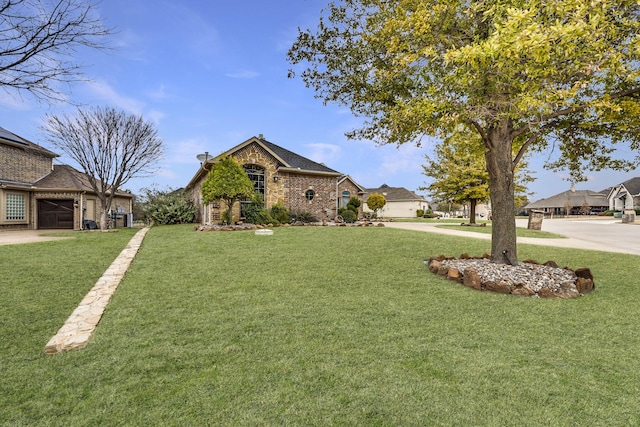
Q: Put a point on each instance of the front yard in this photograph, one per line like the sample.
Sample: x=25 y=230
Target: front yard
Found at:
x=311 y=326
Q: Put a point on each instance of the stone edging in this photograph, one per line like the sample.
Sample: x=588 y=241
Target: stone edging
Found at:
x=580 y=283
x=79 y=327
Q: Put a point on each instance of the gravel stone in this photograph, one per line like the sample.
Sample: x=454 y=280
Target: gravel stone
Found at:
x=535 y=276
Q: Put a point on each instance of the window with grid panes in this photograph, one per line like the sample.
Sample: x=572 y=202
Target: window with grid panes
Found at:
x=15 y=207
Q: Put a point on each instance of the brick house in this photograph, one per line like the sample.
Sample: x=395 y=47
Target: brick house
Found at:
x=280 y=175
x=36 y=194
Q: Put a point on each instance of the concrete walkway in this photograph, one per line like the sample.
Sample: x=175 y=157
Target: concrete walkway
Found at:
x=606 y=235
x=14 y=237
x=79 y=327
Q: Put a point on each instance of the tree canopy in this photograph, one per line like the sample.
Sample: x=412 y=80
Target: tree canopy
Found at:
x=39 y=43
x=111 y=146
x=376 y=201
x=227 y=181
x=523 y=75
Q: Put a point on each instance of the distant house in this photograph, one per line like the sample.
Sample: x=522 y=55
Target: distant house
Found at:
x=36 y=194
x=572 y=202
x=625 y=196
x=280 y=176
x=401 y=203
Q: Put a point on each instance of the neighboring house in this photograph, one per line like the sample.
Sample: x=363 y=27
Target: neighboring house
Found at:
x=281 y=176
x=625 y=196
x=572 y=202
x=36 y=194
x=401 y=203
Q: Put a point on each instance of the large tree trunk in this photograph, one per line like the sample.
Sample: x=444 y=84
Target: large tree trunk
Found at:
x=501 y=188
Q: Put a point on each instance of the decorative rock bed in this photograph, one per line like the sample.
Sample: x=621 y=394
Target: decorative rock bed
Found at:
x=527 y=278
x=242 y=226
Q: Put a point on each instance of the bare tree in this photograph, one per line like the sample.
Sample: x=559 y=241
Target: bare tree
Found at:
x=39 y=42
x=110 y=146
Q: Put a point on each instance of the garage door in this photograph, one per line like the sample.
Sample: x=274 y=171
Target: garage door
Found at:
x=55 y=214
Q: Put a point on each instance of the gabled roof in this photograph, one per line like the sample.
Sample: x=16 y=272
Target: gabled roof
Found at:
x=65 y=177
x=10 y=138
x=296 y=161
x=395 y=194
x=633 y=186
x=571 y=198
x=287 y=160
x=347 y=177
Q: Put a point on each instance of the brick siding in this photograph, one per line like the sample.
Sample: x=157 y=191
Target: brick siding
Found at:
x=23 y=165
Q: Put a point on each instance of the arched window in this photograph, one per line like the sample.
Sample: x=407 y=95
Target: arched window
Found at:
x=346 y=196
x=256 y=175
x=309 y=194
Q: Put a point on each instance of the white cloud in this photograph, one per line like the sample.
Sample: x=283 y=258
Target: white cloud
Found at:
x=324 y=153
x=105 y=92
x=155 y=116
x=243 y=74
x=14 y=102
x=406 y=159
x=158 y=94
x=185 y=151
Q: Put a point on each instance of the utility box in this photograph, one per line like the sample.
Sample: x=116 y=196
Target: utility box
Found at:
x=535 y=219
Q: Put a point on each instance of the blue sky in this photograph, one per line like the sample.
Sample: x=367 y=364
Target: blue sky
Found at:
x=211 y=74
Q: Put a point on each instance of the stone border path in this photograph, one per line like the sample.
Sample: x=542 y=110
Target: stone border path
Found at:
x=79 y=327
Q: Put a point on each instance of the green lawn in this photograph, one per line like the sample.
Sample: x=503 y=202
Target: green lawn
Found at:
x=312 y=326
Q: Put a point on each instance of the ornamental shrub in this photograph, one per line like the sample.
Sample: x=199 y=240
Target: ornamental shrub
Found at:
x=279 y=213
x=349 y=216
x=354 y=204
x=304 y=217
x=166 y=207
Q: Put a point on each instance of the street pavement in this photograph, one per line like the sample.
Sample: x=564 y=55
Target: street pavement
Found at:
x=600 y=234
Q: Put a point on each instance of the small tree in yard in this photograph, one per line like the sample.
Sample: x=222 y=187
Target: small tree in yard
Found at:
x=375 y=202
x=110 y=146
x=227 y=181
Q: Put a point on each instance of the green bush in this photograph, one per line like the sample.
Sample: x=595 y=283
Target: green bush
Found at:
x=254 y=211
x=349 y=216
x=280 y=214
x=354 y=204
x=608 y=213
x=166 y=207
x=305 y=217
x=419 y=213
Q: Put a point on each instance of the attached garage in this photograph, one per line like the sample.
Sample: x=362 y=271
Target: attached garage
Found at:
x=55 y=214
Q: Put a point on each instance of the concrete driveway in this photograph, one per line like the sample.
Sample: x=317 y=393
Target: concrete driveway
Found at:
x=28 y=236
x=600 y=234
